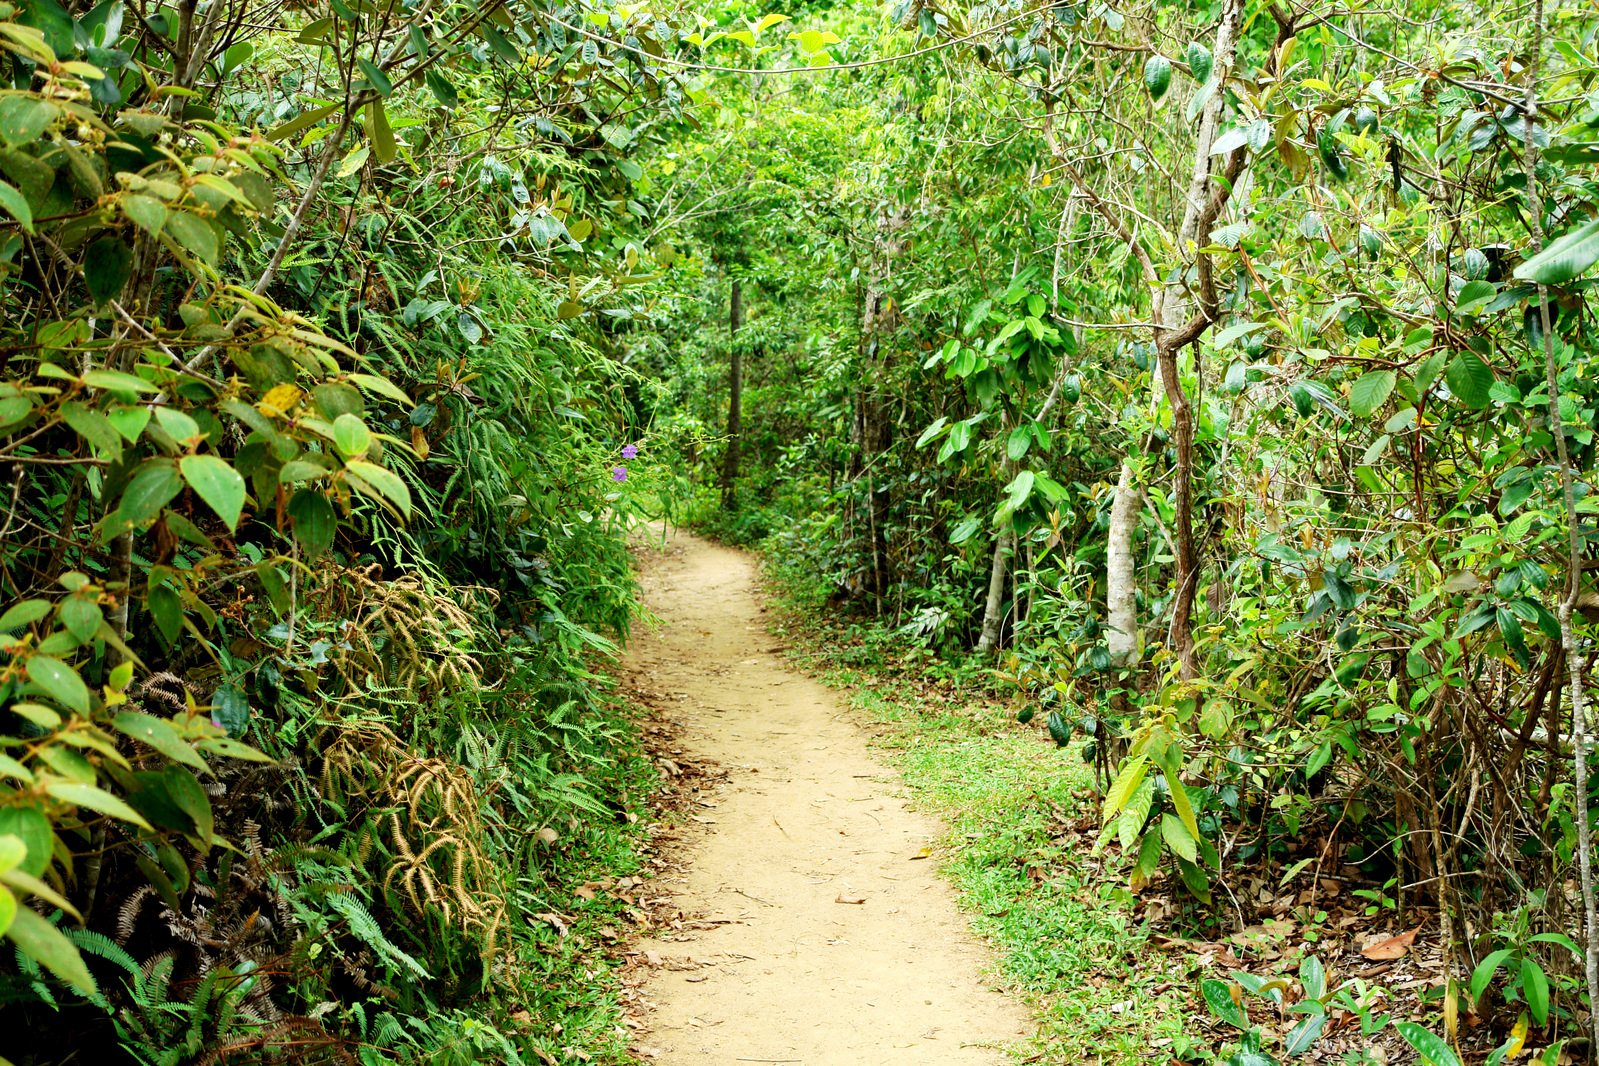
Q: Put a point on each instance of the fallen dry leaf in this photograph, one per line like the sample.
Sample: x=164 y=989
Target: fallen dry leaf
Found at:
x=843 y=898
x=1395 y=947
x=925 y=853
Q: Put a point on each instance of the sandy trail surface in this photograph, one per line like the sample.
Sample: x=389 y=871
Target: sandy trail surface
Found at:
x=826 y=935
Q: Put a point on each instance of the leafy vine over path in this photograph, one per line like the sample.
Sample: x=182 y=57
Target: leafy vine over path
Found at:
x=826 y=940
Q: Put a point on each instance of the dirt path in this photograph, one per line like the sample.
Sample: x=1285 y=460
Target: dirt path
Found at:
x=832 y=942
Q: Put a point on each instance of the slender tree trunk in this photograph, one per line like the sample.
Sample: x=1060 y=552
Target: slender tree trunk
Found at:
x=873 y=428
x=1182 y=623
x=735 y=398
x=993 y=609
x=1120 y=603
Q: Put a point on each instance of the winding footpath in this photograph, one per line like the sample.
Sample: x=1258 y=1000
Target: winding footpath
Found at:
x=826 y=937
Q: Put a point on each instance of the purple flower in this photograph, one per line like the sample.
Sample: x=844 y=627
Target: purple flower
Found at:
x=630 y=451
x=619 y=473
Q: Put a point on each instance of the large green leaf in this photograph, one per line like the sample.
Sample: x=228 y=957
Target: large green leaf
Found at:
x=375 y=481
x=1157 y=76
x=158 y=734
x=194 y=235
x=217 y=483
x=314 y=521
x=351 y=436
x=1019 y=489
x=96 y=799
x=1565 y=258
x=107 y=265
x=60 y=682
x=1428 y=1043
x=16 y=205
x=1219 y=998
x=1369 y=392
x=33 y=828
x=151 y=488
x=46 y=945
x=23 y=117
x=1470 y=380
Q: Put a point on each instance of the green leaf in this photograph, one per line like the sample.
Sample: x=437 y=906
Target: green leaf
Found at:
x=93 y=427
x=194 y=235
x=1178 y=838
x=1181 y=804
x=441 y=88
x=33 y=828
x=96 y=799
x=23 y=117
x=1059 y=731
x=1473 y=296
x=1535 y=989
x=302 y=121
x=1429 y=1044
x=81 y=616
x=1369 y=392
x=22 y=614
x=158 y=734
x=1302 y=1036
x=375 y=481
x=166 y=608
x=1021 y=438
x=932 y=431
x=1313 y=977
x=232 y=749
x=46 y=945
x=1219 y=998
x=8 y=909
x=16 y=205
x=217 y=483
x=1470 y=380
x=377 y=128
x=60 y=682
x=1126 y=783
x=126 y=386
x=1484 y=973
x=351 y=436
x=314 y=522
x=1199 y=62
x=12 y=852
x=1565 y=258
x=230 y=707
x=374 y=76
x=107 y=265
x=1019 y=489
x=1234 y=331
x=499 y=45
x=148 y=213
x=1559 y=938
x=1157 y=76
x=25 y=884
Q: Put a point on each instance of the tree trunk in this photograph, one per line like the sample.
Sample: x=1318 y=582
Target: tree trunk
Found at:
x=1120 y=603
x=735 y=398
x=993 y=609
x=1182 y=621
x=873 y=428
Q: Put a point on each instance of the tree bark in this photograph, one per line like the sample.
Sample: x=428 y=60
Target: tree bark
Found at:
x=1121 y=608
x=993 y=609
x=735 y=399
